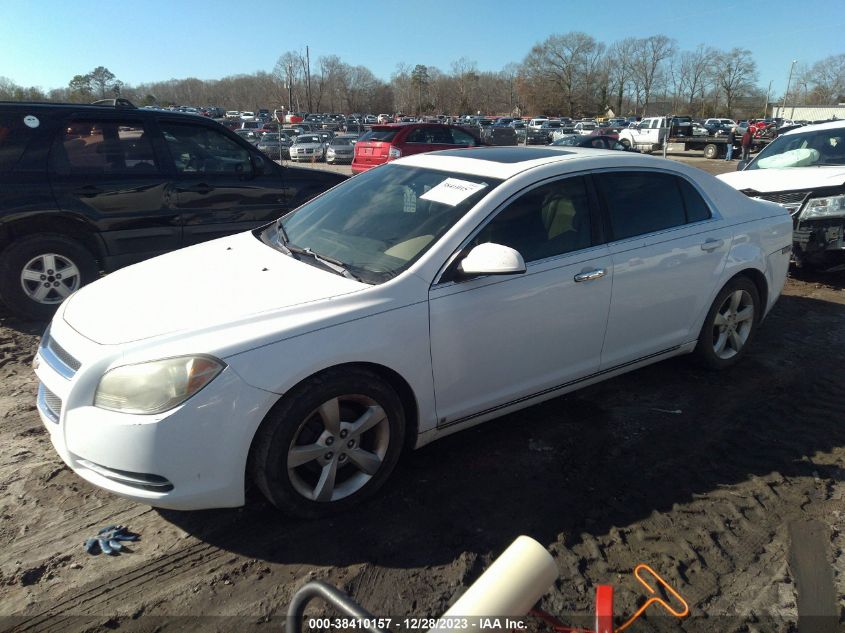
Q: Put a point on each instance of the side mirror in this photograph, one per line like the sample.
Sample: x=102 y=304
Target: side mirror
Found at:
x=741 y=165
x=491 y=259
x=259 y=167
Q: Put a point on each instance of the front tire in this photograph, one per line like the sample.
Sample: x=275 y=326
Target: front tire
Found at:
x=730 y=325
x=38 y=272
x=711 y=151
x=329 y=444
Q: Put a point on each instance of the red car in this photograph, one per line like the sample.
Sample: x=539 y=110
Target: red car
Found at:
x=384 y=143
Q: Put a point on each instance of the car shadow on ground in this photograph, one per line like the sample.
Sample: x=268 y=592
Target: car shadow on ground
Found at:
x=606 y=456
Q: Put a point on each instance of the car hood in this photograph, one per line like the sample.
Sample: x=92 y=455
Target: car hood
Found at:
x=790 y=179
x=197 y=287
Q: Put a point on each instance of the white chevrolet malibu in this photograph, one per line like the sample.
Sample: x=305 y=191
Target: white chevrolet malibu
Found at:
x=409 y=302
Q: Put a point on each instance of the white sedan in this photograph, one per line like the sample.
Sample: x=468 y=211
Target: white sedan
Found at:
x=409 y=302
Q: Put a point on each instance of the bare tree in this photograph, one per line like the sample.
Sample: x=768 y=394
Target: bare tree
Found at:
x=556 y=71
x=736 y=75
x=647 y=63
x=697 y=73
x=825 y=81
x=620 y=71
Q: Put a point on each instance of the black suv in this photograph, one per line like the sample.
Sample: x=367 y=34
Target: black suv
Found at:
x=85 y=189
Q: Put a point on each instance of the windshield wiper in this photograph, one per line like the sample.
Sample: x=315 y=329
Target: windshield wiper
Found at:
x=331 y=263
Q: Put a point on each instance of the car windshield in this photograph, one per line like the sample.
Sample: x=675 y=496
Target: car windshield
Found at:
x=381 y=221
x=815 y=148
x=270 y=136
x=341 y=141
x=303 y=138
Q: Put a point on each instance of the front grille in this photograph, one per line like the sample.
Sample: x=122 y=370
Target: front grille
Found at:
x=791 y=200
x=64 y=355
x=49 y=403
x=58 y=357
x=784 y=197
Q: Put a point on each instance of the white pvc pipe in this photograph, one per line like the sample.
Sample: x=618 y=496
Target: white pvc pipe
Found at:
x=509 y=588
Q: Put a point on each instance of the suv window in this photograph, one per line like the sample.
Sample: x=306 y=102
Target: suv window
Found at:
x=459 y=137
x=14 y=135
x=641 y=202
x=549 y=220
x=93 y=146
x=199 y=149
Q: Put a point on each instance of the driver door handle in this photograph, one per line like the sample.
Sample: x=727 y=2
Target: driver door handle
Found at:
x=590 y=275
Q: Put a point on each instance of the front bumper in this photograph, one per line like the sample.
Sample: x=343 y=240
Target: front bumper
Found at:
x=191 y=457
x=822 y=235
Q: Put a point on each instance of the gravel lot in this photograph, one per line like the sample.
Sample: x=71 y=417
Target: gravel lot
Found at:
x=731 y=485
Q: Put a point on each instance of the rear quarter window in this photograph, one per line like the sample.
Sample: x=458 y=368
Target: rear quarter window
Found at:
x=14 y=137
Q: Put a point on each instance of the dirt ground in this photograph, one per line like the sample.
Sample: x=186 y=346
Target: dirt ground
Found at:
x=731 y=485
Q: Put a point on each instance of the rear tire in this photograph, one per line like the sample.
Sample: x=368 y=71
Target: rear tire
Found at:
x=711 y=151
x=730 y=325
x=39 y=271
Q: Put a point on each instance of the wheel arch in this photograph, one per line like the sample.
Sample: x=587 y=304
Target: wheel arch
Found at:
x=57 y=223
x=759 y=280
x=395 y=380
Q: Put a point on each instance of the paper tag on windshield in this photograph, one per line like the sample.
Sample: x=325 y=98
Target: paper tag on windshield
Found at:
x=452 y=191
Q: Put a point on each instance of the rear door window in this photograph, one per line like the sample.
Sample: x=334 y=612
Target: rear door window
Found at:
x=14 y=136
x=641 y=202
x=98 y=146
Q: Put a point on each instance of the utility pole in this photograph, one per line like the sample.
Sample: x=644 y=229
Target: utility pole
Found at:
x=788 y=81
x=308 y=79
x=766 y=107
x=290 y=87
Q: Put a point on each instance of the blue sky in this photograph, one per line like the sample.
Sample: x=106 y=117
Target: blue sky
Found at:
x=46 y=42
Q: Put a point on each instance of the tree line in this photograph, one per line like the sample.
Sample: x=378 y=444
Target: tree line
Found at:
x=571 y=74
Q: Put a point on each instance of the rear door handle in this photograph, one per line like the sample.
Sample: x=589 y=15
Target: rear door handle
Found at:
x=590 y=275
x=711 y=245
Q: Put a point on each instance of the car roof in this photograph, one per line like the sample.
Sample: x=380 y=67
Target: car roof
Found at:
x=506 y=162
x=830 y=125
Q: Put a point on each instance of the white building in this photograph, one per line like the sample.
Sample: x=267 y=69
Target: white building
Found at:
x=810 y=113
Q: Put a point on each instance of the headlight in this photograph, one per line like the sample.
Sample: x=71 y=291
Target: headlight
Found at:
x=330 y=152
x=157 y=386
x=830 y=207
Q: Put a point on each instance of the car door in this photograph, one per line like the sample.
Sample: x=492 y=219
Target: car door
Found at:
x=668 y=249
x=107 y=169
x=497 y=340
x=220 y=186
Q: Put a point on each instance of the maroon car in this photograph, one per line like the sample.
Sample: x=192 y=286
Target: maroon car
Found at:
x=384 y=143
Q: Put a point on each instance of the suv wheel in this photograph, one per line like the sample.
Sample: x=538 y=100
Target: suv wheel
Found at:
x=38 y=272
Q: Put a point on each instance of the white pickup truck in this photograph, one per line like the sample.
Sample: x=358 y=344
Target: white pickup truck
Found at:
x=650 y=134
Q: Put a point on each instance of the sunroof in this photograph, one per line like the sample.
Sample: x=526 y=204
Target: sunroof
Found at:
x=504 y=154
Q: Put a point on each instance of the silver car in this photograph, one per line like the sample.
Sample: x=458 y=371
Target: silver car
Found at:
x=308 y=147
x=341 y=149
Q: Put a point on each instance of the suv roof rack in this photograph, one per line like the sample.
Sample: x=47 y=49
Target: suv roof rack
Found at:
x=115 y=103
